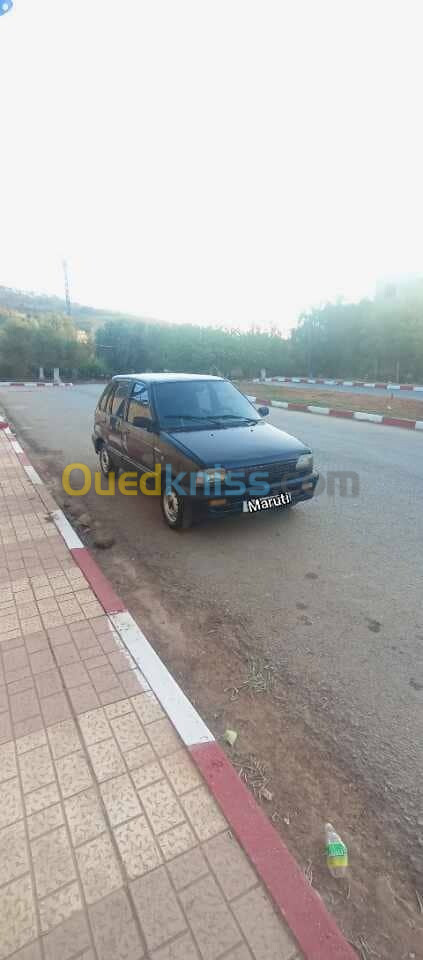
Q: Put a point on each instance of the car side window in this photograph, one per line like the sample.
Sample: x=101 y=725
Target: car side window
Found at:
x=109 y=401
x=105 y=396
x=117 y=407
x=139 y=409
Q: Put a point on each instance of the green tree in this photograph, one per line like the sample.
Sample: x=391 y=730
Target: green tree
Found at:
x=16 y=347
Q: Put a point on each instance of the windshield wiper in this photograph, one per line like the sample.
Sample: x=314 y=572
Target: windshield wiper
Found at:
x=189 y=416
x=212 y=418
x=185 y=416
x=234 y=416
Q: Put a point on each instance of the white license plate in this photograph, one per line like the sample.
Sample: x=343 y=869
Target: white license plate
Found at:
x=257 y=504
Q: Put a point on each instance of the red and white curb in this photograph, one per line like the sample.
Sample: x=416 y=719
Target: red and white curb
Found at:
x=32 y=474
x=301 y=907
x=343 y=383
x=342 y=414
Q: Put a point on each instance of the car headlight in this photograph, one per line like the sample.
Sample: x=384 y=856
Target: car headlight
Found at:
x=305 y=462
x=211 y=475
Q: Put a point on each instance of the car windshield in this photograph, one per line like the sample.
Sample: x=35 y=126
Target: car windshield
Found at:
x=201 y=403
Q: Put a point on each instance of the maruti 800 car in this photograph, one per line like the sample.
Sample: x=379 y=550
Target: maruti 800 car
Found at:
x=216 y=453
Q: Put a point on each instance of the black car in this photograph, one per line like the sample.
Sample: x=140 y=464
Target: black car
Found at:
x=205 y=448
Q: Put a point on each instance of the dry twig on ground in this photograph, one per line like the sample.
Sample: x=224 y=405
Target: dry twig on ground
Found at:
x=253 y=772
x=260 y=677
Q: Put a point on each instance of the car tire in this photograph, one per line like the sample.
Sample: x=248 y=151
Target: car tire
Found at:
x=106 y=462
x=177 y=511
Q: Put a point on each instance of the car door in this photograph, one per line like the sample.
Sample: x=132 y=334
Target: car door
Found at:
x=138 y=435
x=116 y=414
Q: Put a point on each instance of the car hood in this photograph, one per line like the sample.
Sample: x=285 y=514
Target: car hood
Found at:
x=238 y=446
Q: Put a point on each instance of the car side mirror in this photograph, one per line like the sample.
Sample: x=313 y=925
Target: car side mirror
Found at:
x=263 y=411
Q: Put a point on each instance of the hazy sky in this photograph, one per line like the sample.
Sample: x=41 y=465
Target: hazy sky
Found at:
x=224 y=162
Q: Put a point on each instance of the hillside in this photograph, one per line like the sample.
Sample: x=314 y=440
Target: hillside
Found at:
x=28 y=302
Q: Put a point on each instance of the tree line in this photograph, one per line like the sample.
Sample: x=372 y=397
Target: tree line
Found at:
x=375 y=339
x=28 y=343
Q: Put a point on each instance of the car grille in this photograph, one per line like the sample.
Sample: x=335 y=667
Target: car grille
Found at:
x=276 y=472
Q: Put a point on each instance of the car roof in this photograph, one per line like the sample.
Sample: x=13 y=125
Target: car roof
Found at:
x=165 y=377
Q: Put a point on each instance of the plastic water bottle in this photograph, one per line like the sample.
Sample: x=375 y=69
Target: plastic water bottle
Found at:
x=336 y=852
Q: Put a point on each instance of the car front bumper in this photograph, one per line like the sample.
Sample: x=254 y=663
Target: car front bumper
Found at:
x=222 y=504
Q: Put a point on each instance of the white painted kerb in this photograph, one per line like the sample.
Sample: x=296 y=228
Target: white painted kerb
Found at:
x=68 y=533
x=32 y=475
x=183 y=715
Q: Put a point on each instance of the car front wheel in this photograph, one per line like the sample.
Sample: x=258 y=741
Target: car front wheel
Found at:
x=176 y=510
x=106 y=462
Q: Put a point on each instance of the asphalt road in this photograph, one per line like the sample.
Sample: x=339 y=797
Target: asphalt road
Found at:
x=332 y=590
x=373 y=391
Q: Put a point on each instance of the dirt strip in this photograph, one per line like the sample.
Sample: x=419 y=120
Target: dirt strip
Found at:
x=390 y=405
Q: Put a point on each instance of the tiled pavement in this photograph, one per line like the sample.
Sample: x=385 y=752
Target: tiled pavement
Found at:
x=111 y=846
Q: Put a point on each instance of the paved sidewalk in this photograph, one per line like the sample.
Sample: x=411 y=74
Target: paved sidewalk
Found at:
x=111 y=845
